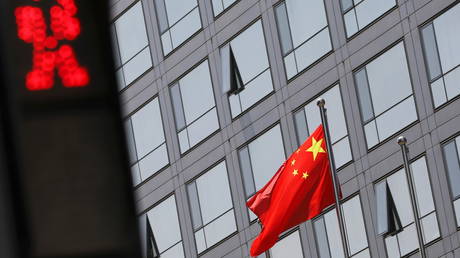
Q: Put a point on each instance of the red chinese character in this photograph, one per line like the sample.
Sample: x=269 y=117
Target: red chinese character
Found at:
x=47 y=54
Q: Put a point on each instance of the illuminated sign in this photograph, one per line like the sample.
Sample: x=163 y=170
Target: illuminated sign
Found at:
x=49 y=54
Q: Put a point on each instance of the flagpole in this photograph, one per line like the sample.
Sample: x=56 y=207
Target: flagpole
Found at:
x=402 y=141
x=321 y=103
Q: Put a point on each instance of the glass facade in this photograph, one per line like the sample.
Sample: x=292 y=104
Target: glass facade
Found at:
x=208 y=125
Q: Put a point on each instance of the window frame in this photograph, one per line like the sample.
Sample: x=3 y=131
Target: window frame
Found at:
x=227 y=42
x=174 y=49
x=332 y=207
x=391 y=173
x=176 y=82
x=283 y=56
x=363 y=66
x=166 y=197
x=193 y=180
x=116 y=47
x=128 y=117
x=420 y=28
x=224 y=10
x=376 y=20
x=451 y=139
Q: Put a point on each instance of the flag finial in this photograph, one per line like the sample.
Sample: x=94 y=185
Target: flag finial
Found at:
x=320 y=102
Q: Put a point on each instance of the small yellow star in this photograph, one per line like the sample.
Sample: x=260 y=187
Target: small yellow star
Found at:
x=305 y=175
x=298 y=150
x=296 y=172
x=293 y=162
x=316 y=147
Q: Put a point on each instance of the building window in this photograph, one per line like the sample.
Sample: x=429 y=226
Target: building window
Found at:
x=160 y=231
x=211 y=207
x=442 y=55
x=385 y=95
x=452 y=163
x=288 y=246
x=327 y=232
x=131 y=46
x=146 y=142
x=260 y=159
x=405 y=242
x=303 y=32
x=219 y=6
x=194 y=107
x=357 y=14
x=308 y=119
x=250 y=66
x=149 y=247
x=178 y=20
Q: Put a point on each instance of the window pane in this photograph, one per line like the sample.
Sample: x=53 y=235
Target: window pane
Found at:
x=313 y=49
x=333 y=234
x=453 y=168
x=256 y=90
x=354 y=224
x=452 y=80
x=137 y=66
x=422 y=186
x=369 y=10
x=365 y=103
x=153 y=162
x=177 y=106
x=408 y=240
x=165 y=224
x=457 y=211
x=396 y=118
x=212 y=182
x=267 y=155
x=283 y=28
x=194 y=205
x=182 y=30
x=321 y=238
x=130 y=141
x=382 y=207
x=430 y=228
x=346 y=4
x=439 y=92
x=197 y=93
x=289 y=246
x=305 y=19
x=301 y=126
x=389 y=78
x=176 y=252
x=162 y=17
x=251 y=58
x=131 y=32
x=398 y=187
x=220 y=228
x=448 y=38
x=203 y=127
x=177 y=9
x=431 y=52
x=217 y=7
x=148 y=128
x=246 y=169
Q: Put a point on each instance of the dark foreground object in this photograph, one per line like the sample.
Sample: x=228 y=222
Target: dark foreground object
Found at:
x=65 y=187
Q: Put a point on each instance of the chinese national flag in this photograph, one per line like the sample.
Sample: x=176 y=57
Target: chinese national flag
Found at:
x=301 y=188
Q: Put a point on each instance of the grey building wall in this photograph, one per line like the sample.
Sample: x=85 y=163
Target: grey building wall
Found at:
x=424 y=136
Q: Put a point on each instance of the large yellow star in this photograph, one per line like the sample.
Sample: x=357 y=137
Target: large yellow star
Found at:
x=316 y=147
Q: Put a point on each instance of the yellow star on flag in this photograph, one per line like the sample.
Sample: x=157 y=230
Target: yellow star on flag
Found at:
x=296 y=172
x=293 y=162
x=316 y=147
x=305 y=175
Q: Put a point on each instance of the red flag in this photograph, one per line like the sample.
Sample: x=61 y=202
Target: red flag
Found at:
x=301 y=188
